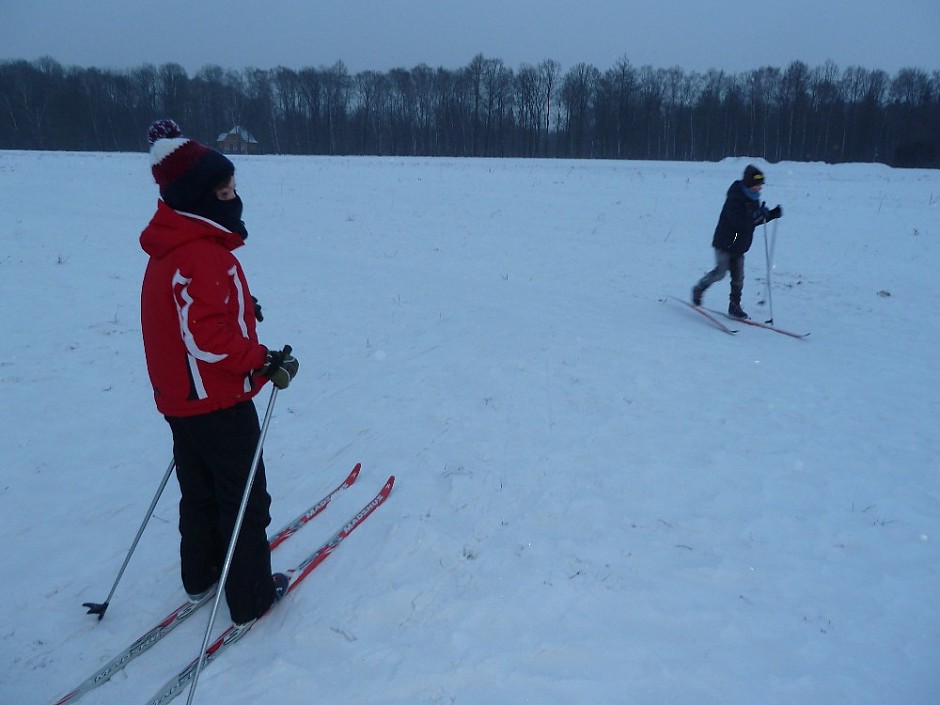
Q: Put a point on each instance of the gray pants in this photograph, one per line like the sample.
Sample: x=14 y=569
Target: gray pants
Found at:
x=725 y=262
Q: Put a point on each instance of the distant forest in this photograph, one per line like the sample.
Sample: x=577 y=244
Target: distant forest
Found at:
x=487 y=109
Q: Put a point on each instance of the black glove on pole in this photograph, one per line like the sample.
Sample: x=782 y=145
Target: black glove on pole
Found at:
x=280 y=367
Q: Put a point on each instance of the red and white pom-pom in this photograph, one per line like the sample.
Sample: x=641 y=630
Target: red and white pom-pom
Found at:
x=163 y=129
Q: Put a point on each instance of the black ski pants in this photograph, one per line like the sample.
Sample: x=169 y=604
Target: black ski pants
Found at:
x=213 y=454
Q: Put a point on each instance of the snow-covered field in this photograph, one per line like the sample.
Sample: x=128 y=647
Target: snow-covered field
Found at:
x=601 y=498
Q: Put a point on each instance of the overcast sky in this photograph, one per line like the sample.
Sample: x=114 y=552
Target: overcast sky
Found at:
x=383 y=34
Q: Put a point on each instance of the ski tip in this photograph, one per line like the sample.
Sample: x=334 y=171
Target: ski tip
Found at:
x=387 y=487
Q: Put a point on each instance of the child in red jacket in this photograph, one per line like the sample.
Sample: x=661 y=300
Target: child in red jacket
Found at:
x=206 y=365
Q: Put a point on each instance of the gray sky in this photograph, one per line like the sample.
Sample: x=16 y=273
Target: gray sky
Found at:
x=383 y=34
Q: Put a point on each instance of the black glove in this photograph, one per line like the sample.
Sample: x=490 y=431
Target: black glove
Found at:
x=774 y=213
x=258 y=316
x=280 y=367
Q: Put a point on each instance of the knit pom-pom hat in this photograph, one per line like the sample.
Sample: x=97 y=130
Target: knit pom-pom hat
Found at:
x=184 y=169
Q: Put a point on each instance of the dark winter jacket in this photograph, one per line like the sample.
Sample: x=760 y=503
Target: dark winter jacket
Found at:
x=740 y=215
x=197 y=316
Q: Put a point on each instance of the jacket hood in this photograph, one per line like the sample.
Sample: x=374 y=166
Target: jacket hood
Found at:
x=169 y=229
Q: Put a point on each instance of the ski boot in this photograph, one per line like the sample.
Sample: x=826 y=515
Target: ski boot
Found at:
x=735 y=310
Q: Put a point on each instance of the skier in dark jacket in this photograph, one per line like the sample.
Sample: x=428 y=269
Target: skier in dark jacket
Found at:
x=742 y=213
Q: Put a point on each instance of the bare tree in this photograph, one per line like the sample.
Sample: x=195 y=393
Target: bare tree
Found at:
x=549 y=71
x=578 y=92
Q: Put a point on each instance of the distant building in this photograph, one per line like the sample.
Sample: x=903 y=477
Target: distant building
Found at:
x=238 y=140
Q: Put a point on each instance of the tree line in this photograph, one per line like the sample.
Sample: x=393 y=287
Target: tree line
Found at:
x=487 y=109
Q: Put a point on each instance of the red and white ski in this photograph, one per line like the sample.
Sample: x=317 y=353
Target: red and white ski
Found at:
x=233 y=633
x=186 y=610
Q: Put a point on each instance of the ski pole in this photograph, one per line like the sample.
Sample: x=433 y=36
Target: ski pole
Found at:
x=99 y=608
x=773 y=244
x=231 y=544
x=767 y=256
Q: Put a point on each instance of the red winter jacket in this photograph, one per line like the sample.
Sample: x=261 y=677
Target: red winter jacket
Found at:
x=197 y=316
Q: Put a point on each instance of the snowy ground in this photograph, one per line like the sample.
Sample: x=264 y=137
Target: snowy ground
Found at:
x=600 y=497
